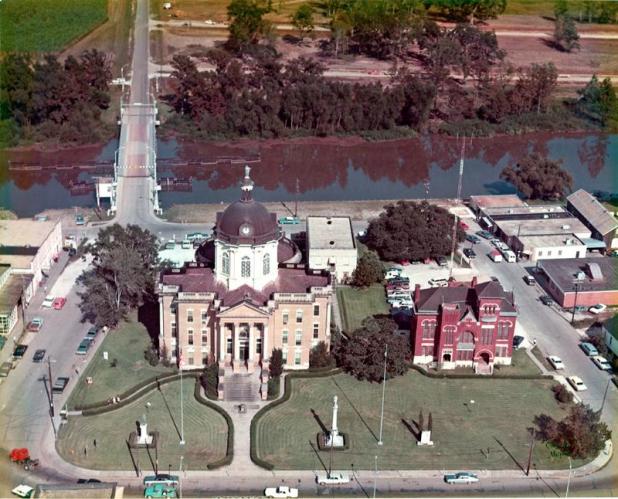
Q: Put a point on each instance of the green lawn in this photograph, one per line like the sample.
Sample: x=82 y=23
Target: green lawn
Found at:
x=47 y=25
x=126 y=345
x=356 y=304
x=463 y=432
x=530 y=7
x=205 y=433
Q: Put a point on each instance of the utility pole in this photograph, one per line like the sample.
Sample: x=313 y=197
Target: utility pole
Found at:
x=575 y=303
x=530 y=453
x=380 y=442
x=51 y=390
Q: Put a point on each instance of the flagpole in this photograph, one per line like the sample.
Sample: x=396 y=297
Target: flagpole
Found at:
x=182 y=412
x=380 y=442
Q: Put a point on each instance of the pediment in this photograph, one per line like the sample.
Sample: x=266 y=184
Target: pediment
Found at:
x=243 y=310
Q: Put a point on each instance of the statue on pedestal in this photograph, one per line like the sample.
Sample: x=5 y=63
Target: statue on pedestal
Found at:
x=334 y=438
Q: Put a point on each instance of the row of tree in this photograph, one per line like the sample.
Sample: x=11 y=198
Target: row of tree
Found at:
x=47 y=98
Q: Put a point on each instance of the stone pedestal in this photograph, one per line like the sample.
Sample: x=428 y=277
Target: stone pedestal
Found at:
x=425 y=438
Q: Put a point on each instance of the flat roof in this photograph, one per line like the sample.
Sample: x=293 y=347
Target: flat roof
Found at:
x=330 y=233
x=550 y=241
x=495 y=200
x=563 y=272
x=11 y=290
x=25 y=232
x=593 y=211
x=543 y=226
x=525 y=210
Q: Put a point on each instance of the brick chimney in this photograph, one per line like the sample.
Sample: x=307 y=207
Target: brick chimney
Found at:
x=417 y=293
x=474 y=282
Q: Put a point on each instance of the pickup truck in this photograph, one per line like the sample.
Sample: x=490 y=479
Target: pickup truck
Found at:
x=281 y=491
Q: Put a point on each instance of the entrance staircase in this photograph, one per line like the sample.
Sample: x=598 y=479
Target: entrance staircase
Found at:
x=242 y=386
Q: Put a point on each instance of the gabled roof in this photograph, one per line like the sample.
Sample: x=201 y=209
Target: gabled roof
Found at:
x=594 y=212
x=243 y=309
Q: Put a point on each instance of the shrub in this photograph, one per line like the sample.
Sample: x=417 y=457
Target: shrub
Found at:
x=273 y=387
x=562 y=394
x=276 y=363
x=320 y=356
x=209 y=379
x=152 y=356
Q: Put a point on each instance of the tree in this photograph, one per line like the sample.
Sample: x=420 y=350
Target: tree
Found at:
x=468 y=10
x=247 y=23
x=535 y=87
x=122 y=277
x=320 y=357
x=537 y=177
x=362 y=354
x=561 y=8
x=276 y=363
x=368 y=270
x=565 y=33
x=302 y=19
x=412 y=231
x=581 y=434
x=562 y=393
x=598 y=100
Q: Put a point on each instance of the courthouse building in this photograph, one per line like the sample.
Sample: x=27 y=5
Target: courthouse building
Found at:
x=248 y=293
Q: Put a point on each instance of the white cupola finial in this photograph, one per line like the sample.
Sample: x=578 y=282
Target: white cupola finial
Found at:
x=247 y=184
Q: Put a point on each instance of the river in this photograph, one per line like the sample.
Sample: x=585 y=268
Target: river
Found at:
x=318 y=169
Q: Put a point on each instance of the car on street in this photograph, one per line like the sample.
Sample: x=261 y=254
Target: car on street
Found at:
x=440 y=283
x=35 y=325
x=333 y=478
x=589 y=349
x=281 y=491
x=442 y=261
x=546 y=300
x=517 y=341
x=556 y=362
x=23 y=491
x=461 y=477
x=84 y=346
x=484 y=234
x=529 y=280
x=470 y=253
x=91 y=334
x=80 y=220
x=472 y=239
x=5 y=369
x=48 y=302
x=599 y=308
x=38 y=356
x=160 y=490
x=20 y=351
x=602 y=363
x=58 y=303
x=289 y=220
x=196 y=236
x=577 y=383
x=60 y=384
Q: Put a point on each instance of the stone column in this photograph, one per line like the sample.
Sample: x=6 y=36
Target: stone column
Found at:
x=236 y=342
x=251 y=342
x=265 y=351
x=222 y=342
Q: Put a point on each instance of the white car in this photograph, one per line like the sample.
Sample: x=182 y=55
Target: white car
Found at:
x=577 y=383
x=281 y=491
x=601 y=363
x=48 y=302
x=597 y=309
x=556 y=362
x=333 y=478
x=461 y=477
x=23 y=491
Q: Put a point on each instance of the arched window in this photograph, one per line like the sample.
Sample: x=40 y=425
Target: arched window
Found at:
x=245 y=267
x=266 y=264
x=225 y=263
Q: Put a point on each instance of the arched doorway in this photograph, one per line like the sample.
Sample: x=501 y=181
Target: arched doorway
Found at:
x=485 y=358
x=243 y=345
x=446 y=357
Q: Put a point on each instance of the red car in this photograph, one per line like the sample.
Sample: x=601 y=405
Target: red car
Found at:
x=58 y=303
x=464 y=225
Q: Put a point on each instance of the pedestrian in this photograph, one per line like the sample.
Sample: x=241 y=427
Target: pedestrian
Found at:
x=94 y=442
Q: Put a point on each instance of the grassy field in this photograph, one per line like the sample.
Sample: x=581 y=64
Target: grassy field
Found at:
x=126 y=345
x=356 y=304
x=491 y=433
x=205 y=434
x=530 y=7
x=47 y=25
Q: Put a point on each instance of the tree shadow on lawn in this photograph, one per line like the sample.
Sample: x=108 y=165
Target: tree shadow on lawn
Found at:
x=345 y=395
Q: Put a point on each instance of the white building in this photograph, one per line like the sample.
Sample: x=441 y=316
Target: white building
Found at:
x=552 y=246
x=331 y=245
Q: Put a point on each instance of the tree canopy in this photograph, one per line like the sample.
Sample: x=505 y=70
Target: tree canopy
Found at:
x=247 y=23
x=565 y=33
x=122 y=277
x=368 y=270
x=362 y=354
x=302 y=19
x=537 y=177
x=412 y=231
x=598 y=100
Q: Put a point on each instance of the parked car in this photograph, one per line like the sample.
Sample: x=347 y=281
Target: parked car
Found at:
x=84 y=346
x=496 y=256
x=20 y=351
x=599 y=308
x=35 y=325
x=281 y=491
x=289 y=220
x=461 y=477
x=160 y=490
x=601 y=363
x=473 y=239
x=392 y=273
x=556 y=362
x=23 y=491
x=546 y=300
x=38 y=356
x=91 y=334
x=529 y=280
x=484 y=234
x=60 y=384
x=589 y=349
x=5 y=369
x=438 y=282
x=469 y=252
x=196 y=236
x=58 y=303
x=79 y=220
x=464 y=225
x=517 y=341
x=48 y=302
x=333 y=478
x=442 y=261
x=577 y=383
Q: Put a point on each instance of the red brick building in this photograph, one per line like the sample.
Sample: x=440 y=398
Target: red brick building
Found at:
x=463 y=326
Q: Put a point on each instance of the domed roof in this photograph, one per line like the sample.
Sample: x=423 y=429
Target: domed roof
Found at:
x=246 y=221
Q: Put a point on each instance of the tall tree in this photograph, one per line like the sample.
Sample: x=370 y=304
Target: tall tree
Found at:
x=247 y=23
x=534 y=87
x=469 y=10
x=368 y=270
x=122 y=277
x=302 y=19
x=537 y=177
x=275 y=366
x=565 y=33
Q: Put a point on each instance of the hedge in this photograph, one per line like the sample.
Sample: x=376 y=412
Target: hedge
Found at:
x=429 y=374
x=229 y=451
x=314 y=373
